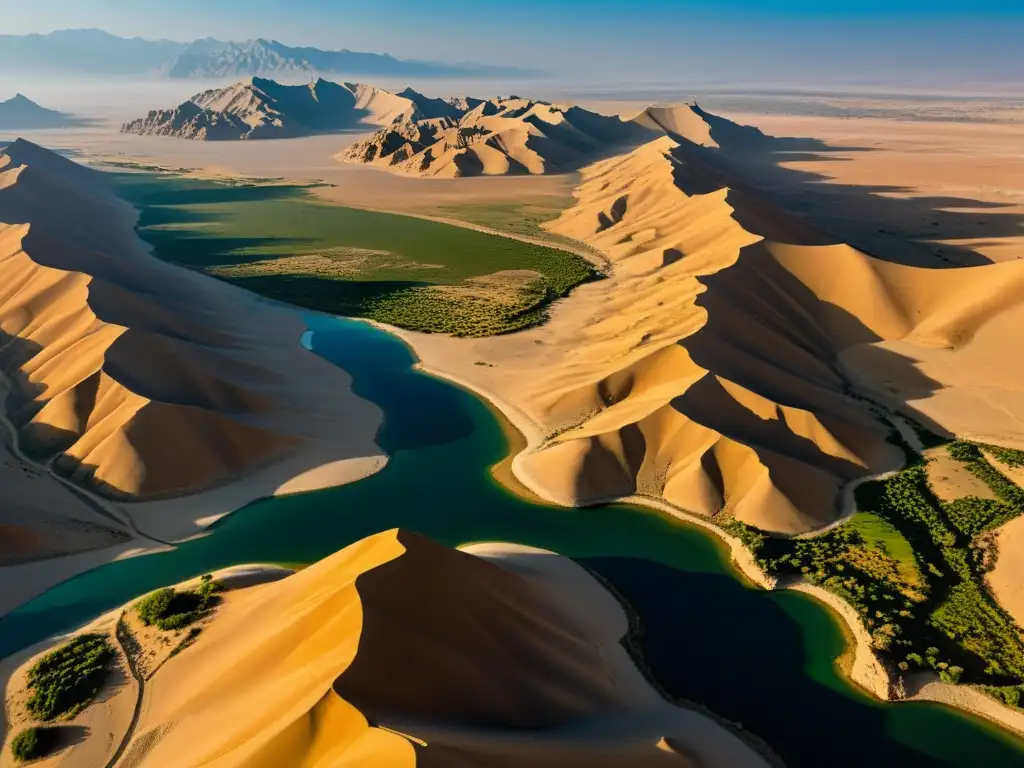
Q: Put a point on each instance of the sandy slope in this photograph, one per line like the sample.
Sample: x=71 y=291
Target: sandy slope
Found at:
x=360 y=660
x=715 y=367
x=88 y=739
x=144 y=380
x=956 y=187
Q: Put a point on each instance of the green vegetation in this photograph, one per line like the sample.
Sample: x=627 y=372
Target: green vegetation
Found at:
x=519 y=218
x=277 y=240
x=913 y=567
x=1009 y=456
x=972 y=515
x=31 y=743
x=64 y=681
x=168 y=609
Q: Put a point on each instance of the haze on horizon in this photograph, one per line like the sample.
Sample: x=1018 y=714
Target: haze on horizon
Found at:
x=911 y=44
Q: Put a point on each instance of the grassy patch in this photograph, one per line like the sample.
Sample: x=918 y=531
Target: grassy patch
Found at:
x=882 y=534
x=517 y=218
x=280 y=242
x=64 y=681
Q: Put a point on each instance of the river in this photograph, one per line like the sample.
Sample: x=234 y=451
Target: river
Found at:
x=762 y=659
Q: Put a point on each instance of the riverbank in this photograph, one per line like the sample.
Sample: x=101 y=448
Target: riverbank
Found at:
x=865 y=669
x=586 y=602
x=312 y=405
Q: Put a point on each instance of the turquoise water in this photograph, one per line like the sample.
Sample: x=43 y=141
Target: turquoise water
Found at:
x=763 y=659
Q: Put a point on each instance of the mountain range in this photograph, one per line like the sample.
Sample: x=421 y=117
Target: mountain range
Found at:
x=258 y=108
x=496 y=137
x=94 y=52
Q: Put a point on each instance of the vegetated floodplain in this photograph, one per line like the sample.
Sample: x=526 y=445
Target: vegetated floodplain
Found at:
x=277 y=240
x=64 y=681
x=913 y=566
x=520 y=218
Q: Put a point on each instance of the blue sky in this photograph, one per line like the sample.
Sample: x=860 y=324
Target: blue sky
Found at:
x=727 y=40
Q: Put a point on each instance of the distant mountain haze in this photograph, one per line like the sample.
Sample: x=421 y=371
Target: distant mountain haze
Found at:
x=259 y=108
x=95 y=52
x=20 y=113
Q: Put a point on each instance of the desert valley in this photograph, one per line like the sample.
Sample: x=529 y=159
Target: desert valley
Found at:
x=351 y=423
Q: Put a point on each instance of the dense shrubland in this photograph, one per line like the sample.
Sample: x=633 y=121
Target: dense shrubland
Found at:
x=932 y=613
x=168 y=609
x=31 y=743
x=64 y=681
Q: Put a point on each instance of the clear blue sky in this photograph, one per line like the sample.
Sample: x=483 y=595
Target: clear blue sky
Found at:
x=726 y=40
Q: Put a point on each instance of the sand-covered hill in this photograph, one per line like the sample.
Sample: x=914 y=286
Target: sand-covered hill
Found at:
x=137 y=379
x=495 y=137
x=398 y=651
x=259 y=108
x=729 y=361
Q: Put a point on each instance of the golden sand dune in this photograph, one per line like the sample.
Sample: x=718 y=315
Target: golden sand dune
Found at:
x=495 y=137
x=142 y=380
x=258 y=108
x=117 y=403
x=724 y=364
x=399 y=651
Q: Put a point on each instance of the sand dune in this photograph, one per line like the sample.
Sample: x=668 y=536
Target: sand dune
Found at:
x=258 y=108
x=720 y=366
x=493 y=138
x=398 y=651
x=140 y=380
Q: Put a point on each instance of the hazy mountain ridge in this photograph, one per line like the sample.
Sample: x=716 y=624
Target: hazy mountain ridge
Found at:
x=20 y=113
x=95 y=52
x=259 y=108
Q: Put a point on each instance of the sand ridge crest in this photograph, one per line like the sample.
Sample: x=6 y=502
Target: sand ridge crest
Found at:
x=141 y=381
x=400 y=651
x=493 y=137
x=723 y=364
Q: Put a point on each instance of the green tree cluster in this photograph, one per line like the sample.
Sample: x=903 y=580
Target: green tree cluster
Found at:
x=169 y=609
x=31 y=743
x=64 y=681
x=948 y=622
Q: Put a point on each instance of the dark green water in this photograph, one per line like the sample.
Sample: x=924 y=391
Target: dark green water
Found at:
x=763 y=659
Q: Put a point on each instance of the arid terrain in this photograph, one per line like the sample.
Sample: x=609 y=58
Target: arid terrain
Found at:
x=398 y=651
x=796 y=329
x=129 y=382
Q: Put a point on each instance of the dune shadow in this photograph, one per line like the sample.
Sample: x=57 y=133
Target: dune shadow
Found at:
x=889 y=222
x=767 y=331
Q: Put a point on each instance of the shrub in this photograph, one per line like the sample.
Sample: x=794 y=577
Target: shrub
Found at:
x=951 y=675
x=156 y=606
x=31 y=743
x=66 y=680
x=168 y=609
x=1009 y=456
x=1009 y=694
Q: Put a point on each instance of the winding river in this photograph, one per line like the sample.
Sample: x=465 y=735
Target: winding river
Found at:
x=765 y=660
